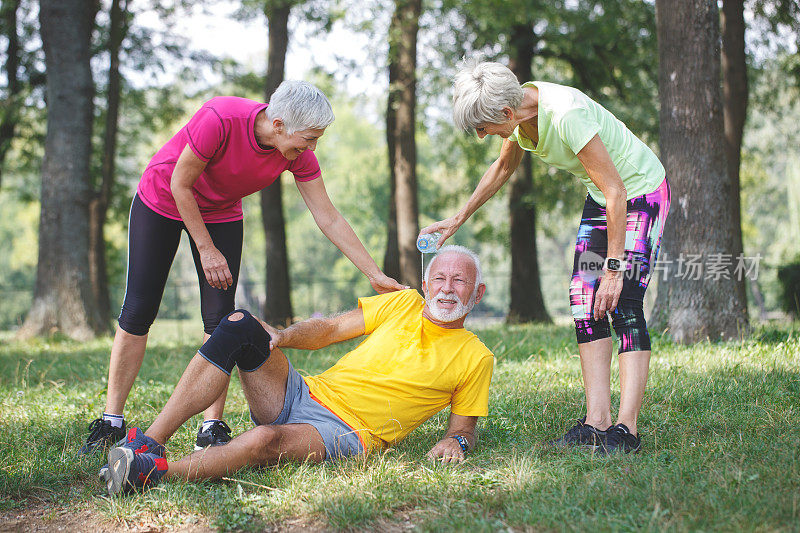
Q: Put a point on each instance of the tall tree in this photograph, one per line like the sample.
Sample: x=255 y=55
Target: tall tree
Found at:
x=8 y=119
x=526 y=303
x=693 y=304
x=734 y=100
x=24 y=76
x=401 y=127
x=63 y=297
x=278 y=303
x=101 y=196
x=391 y=258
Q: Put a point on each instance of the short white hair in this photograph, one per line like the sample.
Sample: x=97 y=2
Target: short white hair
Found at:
x=301 y=106
x=481 y=91
x=453 y=248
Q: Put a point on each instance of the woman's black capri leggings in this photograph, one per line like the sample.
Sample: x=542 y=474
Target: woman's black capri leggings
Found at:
x=152 y=243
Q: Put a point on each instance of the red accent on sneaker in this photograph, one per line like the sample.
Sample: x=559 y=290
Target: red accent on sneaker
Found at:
x=131 y=434
x=143 y=448
x=142 y=478
x=161 y=464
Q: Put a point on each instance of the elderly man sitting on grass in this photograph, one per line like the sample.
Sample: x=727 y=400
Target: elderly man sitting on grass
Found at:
x=416 y=359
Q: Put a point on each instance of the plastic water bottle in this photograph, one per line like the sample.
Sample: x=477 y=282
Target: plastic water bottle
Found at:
x=426 y=243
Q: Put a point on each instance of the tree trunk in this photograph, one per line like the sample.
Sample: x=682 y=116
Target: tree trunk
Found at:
x=391 y=259
x=278 y=301
x=695 y=307
x=402 y=98
x=10 y=113
x=98 y=205
x=734 y=98
x=527 y=303
x=63 y=295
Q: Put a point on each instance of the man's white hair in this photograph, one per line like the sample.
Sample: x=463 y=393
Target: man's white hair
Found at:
x=453 y=248
x=481 y=91
x=301 y=106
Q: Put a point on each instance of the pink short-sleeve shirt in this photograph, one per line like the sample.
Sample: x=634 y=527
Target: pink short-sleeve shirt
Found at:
x=222 y=134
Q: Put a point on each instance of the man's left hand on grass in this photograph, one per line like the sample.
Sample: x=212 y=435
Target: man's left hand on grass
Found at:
x=447 y=450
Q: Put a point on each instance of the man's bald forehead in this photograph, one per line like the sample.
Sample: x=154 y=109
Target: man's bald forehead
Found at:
x=461 y=256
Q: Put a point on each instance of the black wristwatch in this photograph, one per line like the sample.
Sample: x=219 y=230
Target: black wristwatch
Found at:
x=614 y=265
x=462 y=441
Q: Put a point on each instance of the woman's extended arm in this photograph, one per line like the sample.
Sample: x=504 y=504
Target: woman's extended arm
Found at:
x=493 y=179
x=598 y=164
x=338 y=230
x=187 y=171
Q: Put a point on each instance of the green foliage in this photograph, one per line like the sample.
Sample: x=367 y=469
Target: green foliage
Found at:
x=607 y=48
x=770 y=175
x=710 y=410
x=355 y=169
x=18 y=263
x=777 y=25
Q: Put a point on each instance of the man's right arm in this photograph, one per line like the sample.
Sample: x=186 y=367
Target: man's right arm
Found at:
x=316 y=333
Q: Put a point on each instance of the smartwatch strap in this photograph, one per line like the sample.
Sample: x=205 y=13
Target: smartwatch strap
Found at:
x=462 y=441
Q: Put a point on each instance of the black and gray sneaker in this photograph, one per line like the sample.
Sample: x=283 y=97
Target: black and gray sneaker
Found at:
x=101 y=435
x=582 y=435
x=619 y=439
x=217 y=434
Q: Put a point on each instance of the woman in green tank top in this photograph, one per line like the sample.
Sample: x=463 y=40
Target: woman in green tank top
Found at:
x=618 y=238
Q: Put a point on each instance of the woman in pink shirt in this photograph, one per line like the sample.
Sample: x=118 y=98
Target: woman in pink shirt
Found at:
x=230 y=148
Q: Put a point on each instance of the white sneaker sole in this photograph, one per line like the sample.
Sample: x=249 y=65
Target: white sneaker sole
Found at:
x=119 y=467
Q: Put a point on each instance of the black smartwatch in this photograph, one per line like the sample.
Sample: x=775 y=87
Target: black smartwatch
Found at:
x=614 y=265
x=462 y=441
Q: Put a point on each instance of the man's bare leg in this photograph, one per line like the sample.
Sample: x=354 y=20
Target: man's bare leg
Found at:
x=218 y=407
x=202 y=383
x=265 y=391
x=259 y=446
x=127 y=354
x=199 y=386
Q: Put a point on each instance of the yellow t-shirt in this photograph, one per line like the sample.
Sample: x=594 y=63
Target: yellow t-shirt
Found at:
x=405 y=371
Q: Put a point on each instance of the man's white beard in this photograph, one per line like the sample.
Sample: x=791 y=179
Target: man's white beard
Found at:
x=458 y=311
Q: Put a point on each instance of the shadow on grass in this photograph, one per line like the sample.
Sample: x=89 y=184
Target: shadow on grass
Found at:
x=772 y=334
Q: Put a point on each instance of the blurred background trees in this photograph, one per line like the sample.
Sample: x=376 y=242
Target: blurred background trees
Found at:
x=392 y=161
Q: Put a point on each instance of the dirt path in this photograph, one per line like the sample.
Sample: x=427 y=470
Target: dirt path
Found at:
x=52 y=517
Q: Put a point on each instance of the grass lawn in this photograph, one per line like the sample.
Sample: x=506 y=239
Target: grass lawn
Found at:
x=721 y=447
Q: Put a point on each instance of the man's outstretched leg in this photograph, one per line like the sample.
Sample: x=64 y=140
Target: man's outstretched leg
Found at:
x=265 y=381
x=260 y=446
x=199 y=387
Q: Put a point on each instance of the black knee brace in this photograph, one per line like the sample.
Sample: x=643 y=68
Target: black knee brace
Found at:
x=242 y=342
x=631 y=329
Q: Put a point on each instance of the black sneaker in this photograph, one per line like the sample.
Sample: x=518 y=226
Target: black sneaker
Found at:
x=619 y=439
x=217 y=434
x=582 y=435
x=101 y=435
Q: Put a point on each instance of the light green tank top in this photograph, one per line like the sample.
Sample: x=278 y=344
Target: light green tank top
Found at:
x=568 y=119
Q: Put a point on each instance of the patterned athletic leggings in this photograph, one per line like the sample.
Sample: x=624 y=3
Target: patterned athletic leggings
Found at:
x=646 y=216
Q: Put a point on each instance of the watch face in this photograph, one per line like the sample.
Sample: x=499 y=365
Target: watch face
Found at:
x=613 y=264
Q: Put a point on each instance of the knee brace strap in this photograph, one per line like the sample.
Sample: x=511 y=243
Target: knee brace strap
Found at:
x=242 y=342
x=631 y=329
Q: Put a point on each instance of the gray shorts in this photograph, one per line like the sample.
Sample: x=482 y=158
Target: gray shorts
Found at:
x=300 y=408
